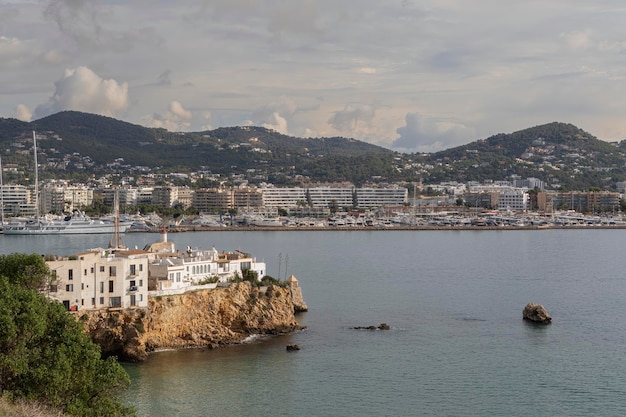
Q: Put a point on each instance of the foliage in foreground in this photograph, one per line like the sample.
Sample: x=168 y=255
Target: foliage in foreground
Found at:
x=46 y=357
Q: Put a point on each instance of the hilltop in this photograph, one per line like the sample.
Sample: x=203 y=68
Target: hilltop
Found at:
x=79 y=145
x=560 y=154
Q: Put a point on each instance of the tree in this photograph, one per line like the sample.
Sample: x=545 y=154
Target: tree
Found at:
x=26 y=270
x=45 y=356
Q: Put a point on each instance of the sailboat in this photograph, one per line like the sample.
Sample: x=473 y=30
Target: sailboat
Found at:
x=76 y=223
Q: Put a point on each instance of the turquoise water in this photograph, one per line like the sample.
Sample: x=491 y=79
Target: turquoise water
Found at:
x=458 y=345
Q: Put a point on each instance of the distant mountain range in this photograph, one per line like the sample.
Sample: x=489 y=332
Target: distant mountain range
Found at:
x=76 y=145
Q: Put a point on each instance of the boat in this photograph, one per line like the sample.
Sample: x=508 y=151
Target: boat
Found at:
x=76 y=223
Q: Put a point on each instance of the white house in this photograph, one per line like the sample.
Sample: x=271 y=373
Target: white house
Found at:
x=100 y=279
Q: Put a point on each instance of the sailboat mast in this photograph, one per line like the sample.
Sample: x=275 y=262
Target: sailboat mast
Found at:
x=36 y=178
x=1 y=195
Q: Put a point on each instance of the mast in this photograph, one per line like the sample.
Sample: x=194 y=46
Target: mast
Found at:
x=36 y=179
x=117 y=240
x=1 y=195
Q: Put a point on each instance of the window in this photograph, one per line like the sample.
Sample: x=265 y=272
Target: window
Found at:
x=115 y=301
x=132 y=270
x=101 y=300
x=91 y=270
x=110 y=286
x=141 y=282
x=85 y=271
x=93 y=301
x=82 y=286
x=53 y=288
x=70 y=274
x=69 y=287
x=112 y=271
x=101 y=288
x=102 y=270
x=140 y=267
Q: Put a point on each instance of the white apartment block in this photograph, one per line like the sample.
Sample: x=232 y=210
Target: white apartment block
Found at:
x=379 y=197
x=14 y=197
x=327 y=196
x=164 y=197
x=64 y=198
x=127 y=196
x=283 y=197
x=513 y=199
x=100 y=279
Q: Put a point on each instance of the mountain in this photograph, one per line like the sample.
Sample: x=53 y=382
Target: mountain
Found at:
x=76 y=145
x=561 y=154
x=97 y=142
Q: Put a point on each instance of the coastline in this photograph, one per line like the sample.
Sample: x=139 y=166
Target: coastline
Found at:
x=182 y=229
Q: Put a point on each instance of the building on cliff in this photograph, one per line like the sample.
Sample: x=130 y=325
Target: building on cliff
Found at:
x=100 y=279
x=171 y=270
x=122 y=278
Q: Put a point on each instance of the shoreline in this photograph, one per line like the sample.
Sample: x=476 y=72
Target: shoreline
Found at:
x=184 y=229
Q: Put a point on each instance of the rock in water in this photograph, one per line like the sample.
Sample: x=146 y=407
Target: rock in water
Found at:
x=292 y=348
x=536 y=313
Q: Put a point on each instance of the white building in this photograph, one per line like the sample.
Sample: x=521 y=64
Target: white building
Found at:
x=64 y=198
x=279 y=197
x=100 y=279
x=381 y=196
x=173 y=270
x=513 y=199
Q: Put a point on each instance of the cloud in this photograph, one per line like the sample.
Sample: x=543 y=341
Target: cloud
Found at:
x=277 y=123
x=423 y=134
x=176 y=119
x=165 y=78
x=178 y=111
x=82 y=89
x=352 y=117
x=274 y=115
x=93 y=24
x=23 y=113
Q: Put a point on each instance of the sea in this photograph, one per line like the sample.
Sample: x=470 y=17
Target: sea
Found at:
x=457 y=345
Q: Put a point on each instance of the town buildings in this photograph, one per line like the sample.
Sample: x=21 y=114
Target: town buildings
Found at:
x=123 y=278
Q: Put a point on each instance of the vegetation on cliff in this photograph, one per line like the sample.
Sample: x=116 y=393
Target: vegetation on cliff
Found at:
x=45 y=356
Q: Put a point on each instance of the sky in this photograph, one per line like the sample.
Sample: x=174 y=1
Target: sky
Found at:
x=409 y=75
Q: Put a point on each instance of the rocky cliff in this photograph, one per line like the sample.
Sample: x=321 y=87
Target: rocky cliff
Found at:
x=208 y=318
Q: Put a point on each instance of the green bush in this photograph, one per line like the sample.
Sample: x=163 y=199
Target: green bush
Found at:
x=46 y=357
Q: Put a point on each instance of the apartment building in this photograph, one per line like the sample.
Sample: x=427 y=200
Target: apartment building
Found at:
x=64 y=198
x=100 y=279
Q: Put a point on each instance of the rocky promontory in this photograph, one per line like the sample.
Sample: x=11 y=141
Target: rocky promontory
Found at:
x=205 y=318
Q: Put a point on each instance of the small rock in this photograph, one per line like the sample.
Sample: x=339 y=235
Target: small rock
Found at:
x=536 y=313
x=382 y=326
x=292 y=348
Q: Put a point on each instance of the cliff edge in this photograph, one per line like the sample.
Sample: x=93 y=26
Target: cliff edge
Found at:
x=205 y=318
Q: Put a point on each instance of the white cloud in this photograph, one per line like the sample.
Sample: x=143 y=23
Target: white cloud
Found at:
x=421 y=134
x=23 y=113
x=82 y=89
x=176 y=119
x=277 y=123
x=352 y=118
x=178 y=111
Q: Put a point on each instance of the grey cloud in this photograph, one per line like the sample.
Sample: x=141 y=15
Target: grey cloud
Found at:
x=90 y=24
x=422 y=134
